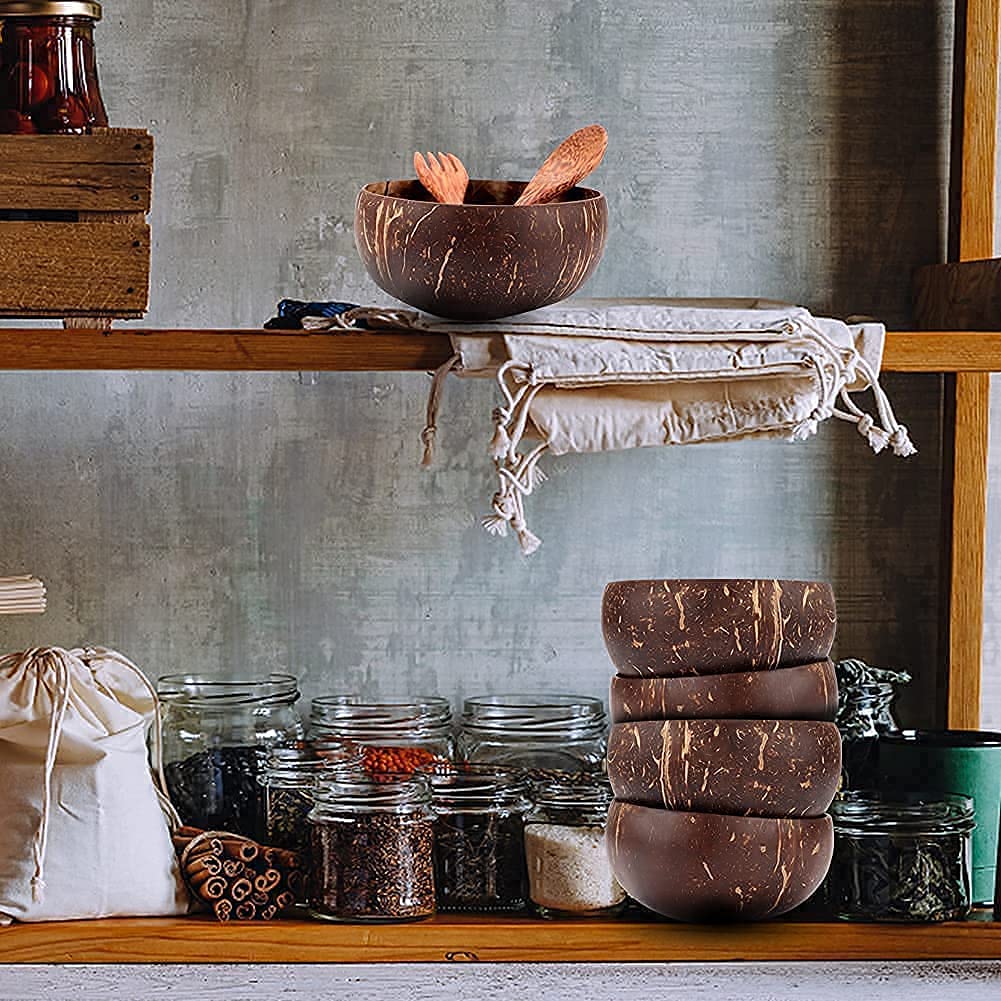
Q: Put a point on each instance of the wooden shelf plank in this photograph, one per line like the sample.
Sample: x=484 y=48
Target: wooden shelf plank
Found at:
x=194 y=940
x=495 y=939
x=141 y=348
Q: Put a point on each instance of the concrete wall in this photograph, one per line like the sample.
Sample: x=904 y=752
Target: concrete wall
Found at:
x=249 y=522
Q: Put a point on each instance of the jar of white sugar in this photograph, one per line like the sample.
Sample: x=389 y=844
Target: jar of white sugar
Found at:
x=569 y=875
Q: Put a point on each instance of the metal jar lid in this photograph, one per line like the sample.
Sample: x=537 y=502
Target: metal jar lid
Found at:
x=50 y=8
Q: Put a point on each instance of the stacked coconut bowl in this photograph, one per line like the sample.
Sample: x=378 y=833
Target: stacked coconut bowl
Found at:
x=722 y=757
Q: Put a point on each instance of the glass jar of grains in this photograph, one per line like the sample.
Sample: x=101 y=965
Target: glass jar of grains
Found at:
x=479 y=845
x=289 y=779
x=542 y=735
x=900 y=858
x=569 y=875
x=372 y=849
x=48 y=73
x=216 y=735
x=398 y=734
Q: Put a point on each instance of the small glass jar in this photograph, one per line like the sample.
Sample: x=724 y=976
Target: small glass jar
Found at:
x=48 y=73
x=569 y=875
x=372 y=849
x=479 y=844
x=864 y=715
x=289 y=780
x=542 y=735
x=398 y=734
x=216 y=735
x=905 y=858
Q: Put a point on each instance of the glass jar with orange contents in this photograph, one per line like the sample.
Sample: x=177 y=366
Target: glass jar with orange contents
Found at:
x=48 y=72
x=398 y=734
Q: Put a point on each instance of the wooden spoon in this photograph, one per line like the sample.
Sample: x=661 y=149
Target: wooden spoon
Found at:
x=566 y=166
x=445 y=178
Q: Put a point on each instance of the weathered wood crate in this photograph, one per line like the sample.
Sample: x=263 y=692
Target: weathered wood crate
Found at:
x=74 y=241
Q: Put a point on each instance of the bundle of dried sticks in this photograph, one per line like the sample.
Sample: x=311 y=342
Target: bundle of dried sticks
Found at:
x=21 y=595
x=238 y=878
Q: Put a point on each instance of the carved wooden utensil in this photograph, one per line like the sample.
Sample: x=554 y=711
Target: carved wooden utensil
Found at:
x=445 y=177
x=566 y=166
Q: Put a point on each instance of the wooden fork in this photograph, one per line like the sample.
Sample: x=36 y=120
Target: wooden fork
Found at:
x=444 y=177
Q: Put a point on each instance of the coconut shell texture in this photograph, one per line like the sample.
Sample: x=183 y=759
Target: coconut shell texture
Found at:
x=762 y=768
x=673 y=628
x=809 y=691
x=713 y=867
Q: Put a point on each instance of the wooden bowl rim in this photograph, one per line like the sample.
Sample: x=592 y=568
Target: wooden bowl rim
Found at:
x=587 y=195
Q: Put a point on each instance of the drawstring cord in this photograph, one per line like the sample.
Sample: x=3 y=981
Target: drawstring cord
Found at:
x=434 y=404
x=61 y=699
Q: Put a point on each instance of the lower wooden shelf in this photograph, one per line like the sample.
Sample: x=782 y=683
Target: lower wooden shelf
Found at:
x=487 y=939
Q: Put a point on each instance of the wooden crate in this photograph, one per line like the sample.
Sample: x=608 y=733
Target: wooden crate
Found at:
x=74 y=241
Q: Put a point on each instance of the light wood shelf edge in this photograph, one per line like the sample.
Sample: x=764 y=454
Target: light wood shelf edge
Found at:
x=488 y=939
x=147 y=349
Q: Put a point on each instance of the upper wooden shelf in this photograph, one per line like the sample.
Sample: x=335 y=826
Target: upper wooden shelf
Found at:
x=494 y=939
x=141 y=348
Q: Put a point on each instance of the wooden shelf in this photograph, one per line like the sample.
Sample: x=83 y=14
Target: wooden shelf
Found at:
x=507 y=939
x=141 y=348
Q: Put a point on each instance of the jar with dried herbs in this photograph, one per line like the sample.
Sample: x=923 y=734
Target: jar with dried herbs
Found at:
x=901 y=858
x=372 y=849
x=479 y=845
x=289 y=779
x=398 y=734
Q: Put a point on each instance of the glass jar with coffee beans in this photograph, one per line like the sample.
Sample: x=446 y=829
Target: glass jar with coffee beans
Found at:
x=399 y=734
x=372 y=849
x=479 y=845
x=216 y=735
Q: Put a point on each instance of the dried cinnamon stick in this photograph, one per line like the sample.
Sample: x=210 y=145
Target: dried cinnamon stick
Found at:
x=268 y=880
x=269 y=912
x=241 y=889
x=223 y=909
x=285 y=900
x=246 y=911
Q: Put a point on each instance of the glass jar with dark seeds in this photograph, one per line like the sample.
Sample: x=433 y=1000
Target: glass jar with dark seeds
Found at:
x=904 y=857
x=372 y=849
x=479 y=843
x=216 y=734
x=289 y=779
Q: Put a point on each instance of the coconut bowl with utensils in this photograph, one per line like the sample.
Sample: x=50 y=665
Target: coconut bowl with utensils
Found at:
x=485 y=258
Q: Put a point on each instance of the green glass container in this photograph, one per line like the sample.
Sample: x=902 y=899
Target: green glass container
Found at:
x=965 y=762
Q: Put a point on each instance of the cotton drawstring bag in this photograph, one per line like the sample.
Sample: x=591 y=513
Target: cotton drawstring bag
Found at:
x=603 y=375
x=86 y=822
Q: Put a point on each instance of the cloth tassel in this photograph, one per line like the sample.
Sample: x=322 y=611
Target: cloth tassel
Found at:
x=878 y=438
x=434 y=404
x=901 y=442
x=500 y=444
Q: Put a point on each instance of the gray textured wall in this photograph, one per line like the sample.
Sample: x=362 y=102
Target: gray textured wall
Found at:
x=788 y=148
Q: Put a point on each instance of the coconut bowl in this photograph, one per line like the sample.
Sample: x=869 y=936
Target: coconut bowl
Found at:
x=713 y=867
x=670 y=628
x=481 y=260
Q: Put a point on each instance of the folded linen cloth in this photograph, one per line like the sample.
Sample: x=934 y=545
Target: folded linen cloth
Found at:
x=601 y=375
x=22 y=595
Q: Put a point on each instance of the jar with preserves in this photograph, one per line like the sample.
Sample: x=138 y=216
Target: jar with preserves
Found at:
x=479 y=844
x=543 y=735
x=48 y=72
x=569 y=874
x=216 y=736
x=372 y=849
x=398 y=734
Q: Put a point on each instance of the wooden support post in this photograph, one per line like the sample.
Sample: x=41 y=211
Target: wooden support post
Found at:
x=977 y=76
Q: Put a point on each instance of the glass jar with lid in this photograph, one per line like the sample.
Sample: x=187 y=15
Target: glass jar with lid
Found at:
x=289 y=779
x=398 y=733
x=216 y=735
x=904 y=857
x=372 y=849
x=541 y=734
x=479 y=845
x=48 y=73
x=569 y=875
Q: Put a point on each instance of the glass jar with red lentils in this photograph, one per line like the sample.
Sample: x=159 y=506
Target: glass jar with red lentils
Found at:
x=398 y=734
x=48 y=73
